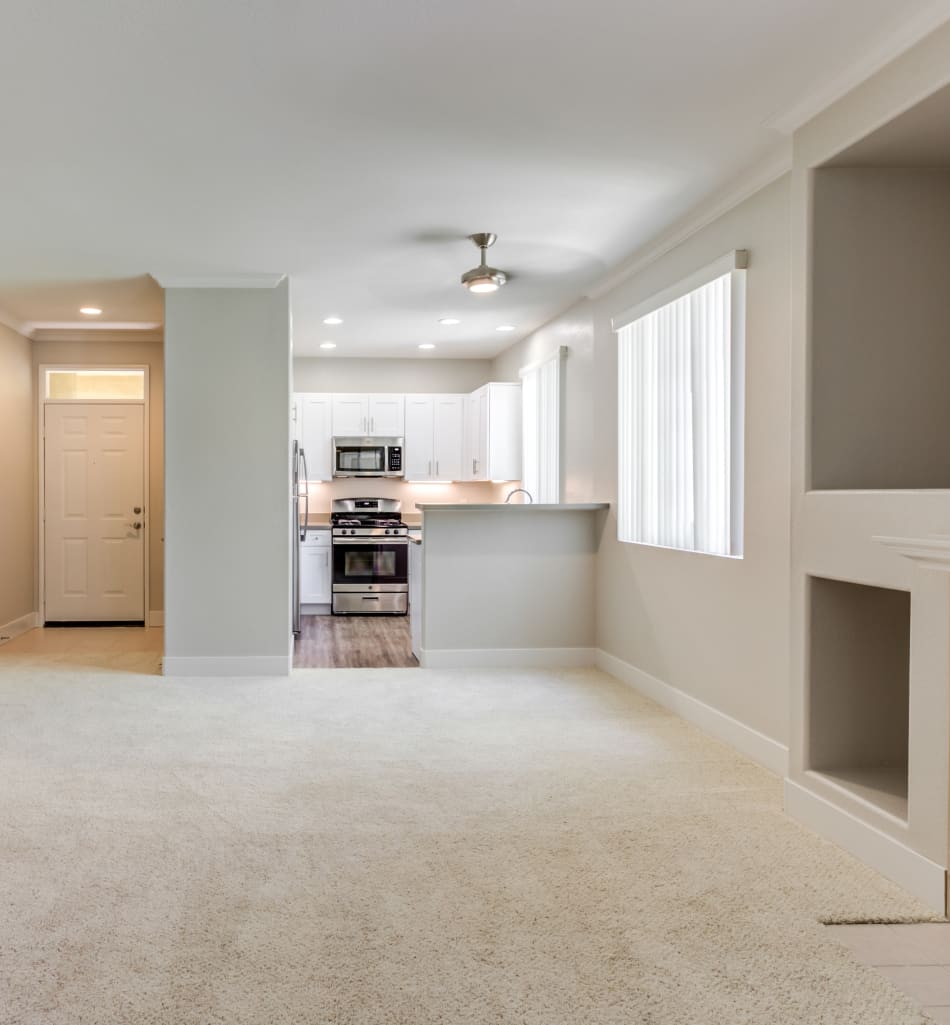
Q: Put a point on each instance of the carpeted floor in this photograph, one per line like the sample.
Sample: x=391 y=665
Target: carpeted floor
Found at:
x=406 y=847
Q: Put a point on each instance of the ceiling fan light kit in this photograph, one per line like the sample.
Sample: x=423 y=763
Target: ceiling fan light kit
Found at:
x=483 y=279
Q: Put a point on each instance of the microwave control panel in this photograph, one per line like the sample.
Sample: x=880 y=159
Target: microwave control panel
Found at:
x=395 y=459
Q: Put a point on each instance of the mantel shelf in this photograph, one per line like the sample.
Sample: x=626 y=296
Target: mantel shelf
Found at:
x=931 y=552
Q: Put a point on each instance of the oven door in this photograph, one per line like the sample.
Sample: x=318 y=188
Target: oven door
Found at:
x=356 y=460
x=370 y=564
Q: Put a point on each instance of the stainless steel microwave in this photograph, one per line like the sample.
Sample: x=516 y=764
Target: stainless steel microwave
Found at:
x=368 y=457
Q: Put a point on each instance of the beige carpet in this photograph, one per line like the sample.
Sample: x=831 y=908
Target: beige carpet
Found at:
x=405 y=847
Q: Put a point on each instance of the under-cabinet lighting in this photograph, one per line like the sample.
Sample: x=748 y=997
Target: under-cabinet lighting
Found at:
x=427 y=345
x=332 y=320
x=449 y=321
x=328 y=345
x=505 y=327
x=90 y=311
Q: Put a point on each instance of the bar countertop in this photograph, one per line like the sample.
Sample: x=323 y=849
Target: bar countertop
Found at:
x=525 y=507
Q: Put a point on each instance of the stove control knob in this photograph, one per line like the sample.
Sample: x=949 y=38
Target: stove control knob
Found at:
x=388 y=531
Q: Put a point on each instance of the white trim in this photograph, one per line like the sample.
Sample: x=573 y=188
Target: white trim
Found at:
x=41 y=403
x=86 y=326
x=737 y=259
x=897 y=41
x=13 y=323
x=96 y=334
x=506 y=658
x=928 y=552
x=219 y=281
x=743 y=187
x=227 y=665
x=19 y=626
x=761 y=749
x=156 y=617
x=920 y=876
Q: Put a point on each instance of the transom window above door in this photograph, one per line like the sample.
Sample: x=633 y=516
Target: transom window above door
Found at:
x=93 y=385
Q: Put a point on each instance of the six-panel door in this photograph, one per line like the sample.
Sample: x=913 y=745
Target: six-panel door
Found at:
x=94 y=512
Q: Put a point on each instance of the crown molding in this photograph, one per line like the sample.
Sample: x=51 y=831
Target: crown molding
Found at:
x=767 y=170
x=14 y=324
x=111 y=331
x=221 y=281
x=897 y=42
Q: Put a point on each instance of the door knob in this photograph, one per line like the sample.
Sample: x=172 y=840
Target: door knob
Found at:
x=137 y=509
x=136 y=526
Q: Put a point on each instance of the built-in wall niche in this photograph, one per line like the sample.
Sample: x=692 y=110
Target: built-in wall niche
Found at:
x=859 y=690
x=880 y=328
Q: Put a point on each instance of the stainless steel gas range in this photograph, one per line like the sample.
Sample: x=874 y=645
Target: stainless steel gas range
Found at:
x=370 y=547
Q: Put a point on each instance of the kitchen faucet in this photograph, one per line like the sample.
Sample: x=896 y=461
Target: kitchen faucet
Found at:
x=523 y=492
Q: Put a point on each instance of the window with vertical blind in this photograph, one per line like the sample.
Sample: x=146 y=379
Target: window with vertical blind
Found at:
x=681 y=412
x=541 y=428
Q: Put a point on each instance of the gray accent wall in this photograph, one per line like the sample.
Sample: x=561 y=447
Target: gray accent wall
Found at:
x=227 y=480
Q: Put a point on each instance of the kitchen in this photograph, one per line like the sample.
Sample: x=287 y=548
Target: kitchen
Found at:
x=453 y=436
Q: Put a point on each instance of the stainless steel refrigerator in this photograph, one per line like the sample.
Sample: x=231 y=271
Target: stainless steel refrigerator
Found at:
x=300 y=512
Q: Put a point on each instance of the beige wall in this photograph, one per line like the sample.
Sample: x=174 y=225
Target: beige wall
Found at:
x=130 y=353
x=880 y=328
x=17 y=479
x=341 y=374
x=715 y=628
x=575 y=329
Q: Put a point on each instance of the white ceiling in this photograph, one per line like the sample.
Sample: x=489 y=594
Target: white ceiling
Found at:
x=353 y=145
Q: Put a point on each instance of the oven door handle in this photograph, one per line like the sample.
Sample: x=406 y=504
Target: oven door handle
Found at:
x=375 y=541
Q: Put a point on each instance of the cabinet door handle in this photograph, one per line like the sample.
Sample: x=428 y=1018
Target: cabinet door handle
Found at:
x=437 y=467
x=372 y=425
x=473 y=467
x=430 y=468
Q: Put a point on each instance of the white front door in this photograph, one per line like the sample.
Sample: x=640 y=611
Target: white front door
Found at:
x=94 y=482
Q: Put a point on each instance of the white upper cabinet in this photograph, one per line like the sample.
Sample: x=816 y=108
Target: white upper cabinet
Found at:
x=448 y=414
x=492 y=432
x=314 y=433
x=419 y=459
x=380 y=416
x=434 y=437
x=350 y=415
x=387 y=415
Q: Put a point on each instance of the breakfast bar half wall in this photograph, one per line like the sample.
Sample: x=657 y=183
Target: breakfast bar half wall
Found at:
x=505 y=585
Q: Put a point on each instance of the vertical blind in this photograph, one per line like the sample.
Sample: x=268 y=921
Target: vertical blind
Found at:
x=541 y=429
x=679 y=452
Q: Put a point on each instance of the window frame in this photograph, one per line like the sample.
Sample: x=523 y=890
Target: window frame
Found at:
x=733 y=264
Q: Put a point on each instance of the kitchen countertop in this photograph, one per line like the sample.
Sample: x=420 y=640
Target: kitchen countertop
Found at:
x=521 y=507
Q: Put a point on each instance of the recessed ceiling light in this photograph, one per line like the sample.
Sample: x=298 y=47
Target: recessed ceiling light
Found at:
x=328 y=345
x=427 y=345
x=90 y=311
x=449 y=321
x=332 y=320
x=505 y=327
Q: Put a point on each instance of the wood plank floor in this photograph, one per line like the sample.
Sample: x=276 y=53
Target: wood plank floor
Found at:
x=354 y=642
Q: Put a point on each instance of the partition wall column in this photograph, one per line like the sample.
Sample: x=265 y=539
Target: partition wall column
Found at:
x=227 y=479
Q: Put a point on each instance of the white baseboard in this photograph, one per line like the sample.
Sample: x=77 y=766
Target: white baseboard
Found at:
x=156 y=617
x=920 y=876
x=227 y=665
x=506 y=658
x=19 y=626
x=764 y=750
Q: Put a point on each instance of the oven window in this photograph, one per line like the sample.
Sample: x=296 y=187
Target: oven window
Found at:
x=360 y=460
x=369 y=562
